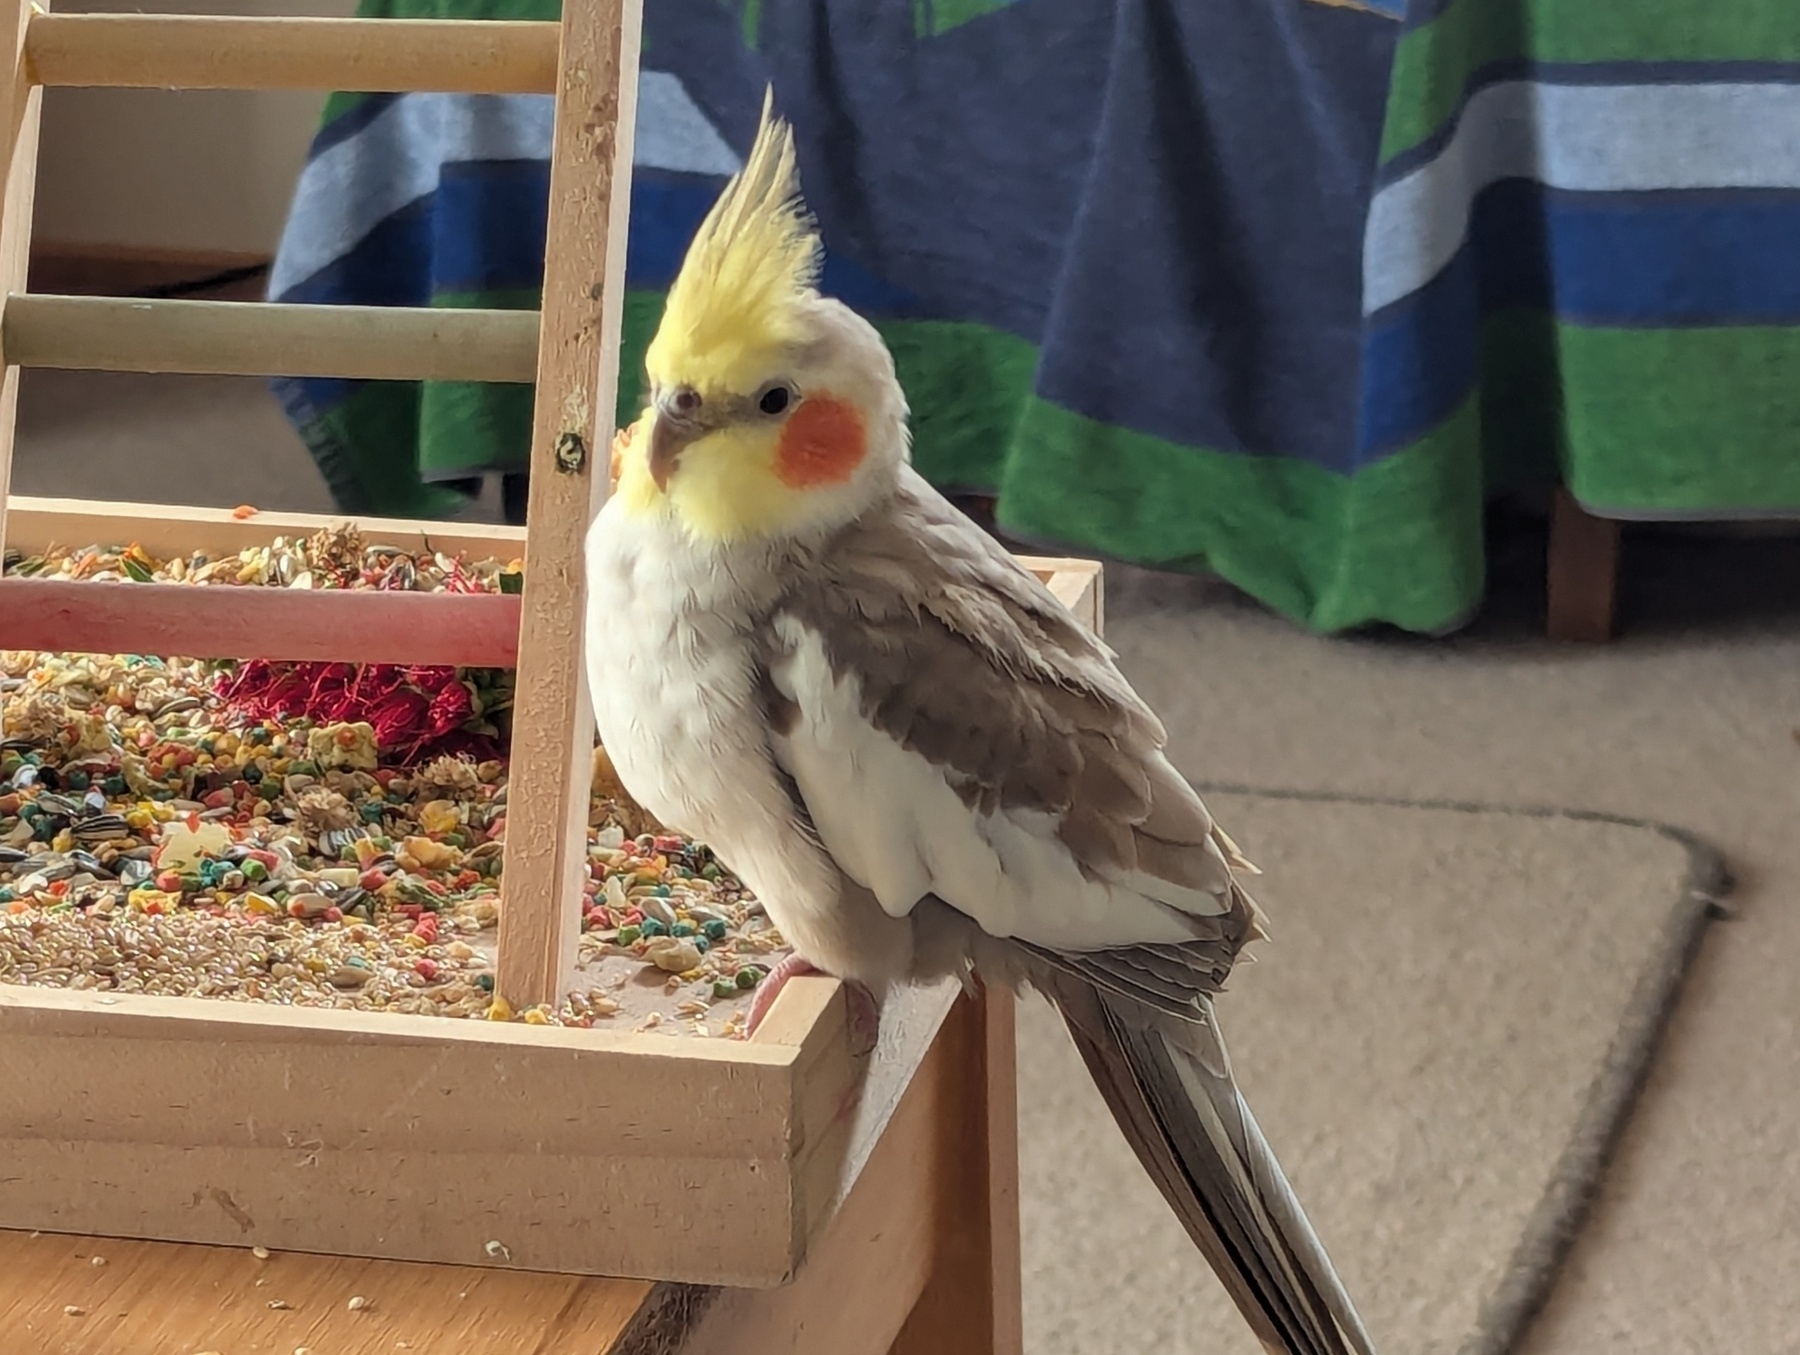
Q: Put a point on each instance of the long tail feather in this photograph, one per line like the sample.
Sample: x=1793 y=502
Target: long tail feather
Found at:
x=1169 y=1086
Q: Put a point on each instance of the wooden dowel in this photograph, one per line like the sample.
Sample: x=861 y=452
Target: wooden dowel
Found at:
x=238 y=338
x=195 y=621
x=577 y=382
x=203 y=51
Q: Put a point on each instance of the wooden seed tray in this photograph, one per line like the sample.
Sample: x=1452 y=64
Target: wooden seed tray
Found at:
x=422 y=1138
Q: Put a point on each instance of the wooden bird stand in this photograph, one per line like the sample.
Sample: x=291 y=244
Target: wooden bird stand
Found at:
x=481 y=1185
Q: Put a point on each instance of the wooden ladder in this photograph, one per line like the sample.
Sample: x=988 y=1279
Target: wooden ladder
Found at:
x=569 y=348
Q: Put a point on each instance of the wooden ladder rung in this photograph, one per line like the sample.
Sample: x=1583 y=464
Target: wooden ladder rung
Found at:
x=240 y=338
x=204 y=51
x=224 y=621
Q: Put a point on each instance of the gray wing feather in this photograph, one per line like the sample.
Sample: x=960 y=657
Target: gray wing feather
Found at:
x=965 y=658
x=1171 y=1091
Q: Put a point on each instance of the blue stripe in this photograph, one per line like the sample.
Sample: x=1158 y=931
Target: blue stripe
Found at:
x=666 y=210
x=1707 y=258
x=488 y=226
x=1586 y=73
x=348 y=123
x=391 y=266
x=1419 y=363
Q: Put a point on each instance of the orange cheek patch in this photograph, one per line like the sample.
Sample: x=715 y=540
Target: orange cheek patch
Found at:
x=822 y=444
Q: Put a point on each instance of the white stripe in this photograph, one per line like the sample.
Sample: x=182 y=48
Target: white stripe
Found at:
x=353 y=187
x=1586 y=138
x=673 y=134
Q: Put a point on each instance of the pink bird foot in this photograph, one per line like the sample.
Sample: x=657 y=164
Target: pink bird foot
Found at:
x=864 y=1011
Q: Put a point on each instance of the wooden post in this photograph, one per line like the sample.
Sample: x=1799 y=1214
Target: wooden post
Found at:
x=19 y=104
x=971 y=1304
x=577 y=382
x=1584 y=573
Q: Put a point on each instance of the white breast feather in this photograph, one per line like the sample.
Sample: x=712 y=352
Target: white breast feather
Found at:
x=895 y=825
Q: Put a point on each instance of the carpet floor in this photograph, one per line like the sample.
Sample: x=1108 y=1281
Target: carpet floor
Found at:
x=1446 y=1031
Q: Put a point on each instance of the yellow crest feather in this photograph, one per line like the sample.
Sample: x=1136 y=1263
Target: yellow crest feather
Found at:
x=755 y=257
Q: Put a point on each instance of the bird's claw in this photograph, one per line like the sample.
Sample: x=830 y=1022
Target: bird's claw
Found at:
x=863 y=1012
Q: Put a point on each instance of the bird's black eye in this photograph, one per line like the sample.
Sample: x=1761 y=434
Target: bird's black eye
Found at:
x=685 y=400
x=775 y=400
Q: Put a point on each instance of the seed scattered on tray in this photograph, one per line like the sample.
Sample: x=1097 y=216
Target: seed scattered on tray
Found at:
x=321 y=835
x=333 y=557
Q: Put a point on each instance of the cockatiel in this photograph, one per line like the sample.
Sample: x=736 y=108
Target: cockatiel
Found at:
x=921 y=763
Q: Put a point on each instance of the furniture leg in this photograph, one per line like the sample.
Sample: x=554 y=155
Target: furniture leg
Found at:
x=1584 y=573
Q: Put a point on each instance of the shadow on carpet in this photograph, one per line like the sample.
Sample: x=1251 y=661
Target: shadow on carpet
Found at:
x=1442 y=1040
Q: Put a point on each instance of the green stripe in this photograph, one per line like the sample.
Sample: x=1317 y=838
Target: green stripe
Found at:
x=1682 y=420
x=934 y=17
x=1521 y=432
x=1434 y=63
x=1620 y=412
x=966 y=384
x=1398 y=542
x=365 y=448
x=544 y=10
x=500 y=299
x=467 y=427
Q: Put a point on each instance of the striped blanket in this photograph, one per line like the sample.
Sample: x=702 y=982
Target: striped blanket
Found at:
x=1273 y=290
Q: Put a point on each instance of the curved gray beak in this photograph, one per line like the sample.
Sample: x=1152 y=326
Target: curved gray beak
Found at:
x=668 y=439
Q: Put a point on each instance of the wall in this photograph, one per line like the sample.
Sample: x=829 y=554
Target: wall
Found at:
x=152 y=172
